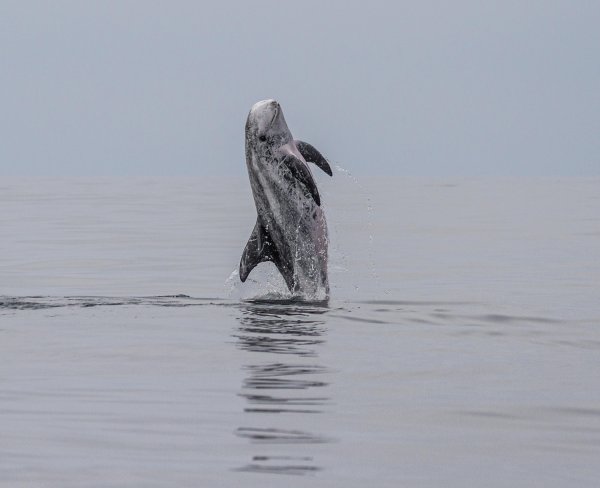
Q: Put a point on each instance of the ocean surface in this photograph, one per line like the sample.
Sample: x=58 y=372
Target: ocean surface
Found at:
x=460 y=346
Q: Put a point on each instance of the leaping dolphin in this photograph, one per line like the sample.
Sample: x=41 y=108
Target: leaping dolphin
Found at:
x=290 y=229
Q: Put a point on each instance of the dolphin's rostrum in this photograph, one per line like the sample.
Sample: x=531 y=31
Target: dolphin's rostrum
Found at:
x=290 y=228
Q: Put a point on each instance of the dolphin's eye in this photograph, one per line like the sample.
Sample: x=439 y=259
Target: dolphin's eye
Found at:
x=262 y=138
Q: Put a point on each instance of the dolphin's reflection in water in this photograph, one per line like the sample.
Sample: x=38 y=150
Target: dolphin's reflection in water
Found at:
x=283 y=379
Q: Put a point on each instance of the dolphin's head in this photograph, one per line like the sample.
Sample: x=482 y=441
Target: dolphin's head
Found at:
x=266 y=127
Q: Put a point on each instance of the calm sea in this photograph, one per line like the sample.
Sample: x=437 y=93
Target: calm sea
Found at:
x=460 y=347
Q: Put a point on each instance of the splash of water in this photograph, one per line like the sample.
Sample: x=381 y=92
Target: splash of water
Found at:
x=266 y=283
x=341 y=216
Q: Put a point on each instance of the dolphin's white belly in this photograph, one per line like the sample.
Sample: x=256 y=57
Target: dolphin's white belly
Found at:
x=292 y=217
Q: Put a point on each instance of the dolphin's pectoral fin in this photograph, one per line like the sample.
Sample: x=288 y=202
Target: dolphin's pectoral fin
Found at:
x=258 y=249
x=310 y=153
x=302 y=174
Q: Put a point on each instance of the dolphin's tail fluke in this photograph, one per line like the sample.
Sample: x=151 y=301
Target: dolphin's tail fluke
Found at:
x=260 y=248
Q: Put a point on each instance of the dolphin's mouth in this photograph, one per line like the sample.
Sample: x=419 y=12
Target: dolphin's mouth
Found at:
x=274 y=116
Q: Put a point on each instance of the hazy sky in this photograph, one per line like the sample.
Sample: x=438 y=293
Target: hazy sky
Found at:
x=407 y=88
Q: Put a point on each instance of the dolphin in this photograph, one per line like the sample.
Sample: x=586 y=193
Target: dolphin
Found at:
x=290 y=229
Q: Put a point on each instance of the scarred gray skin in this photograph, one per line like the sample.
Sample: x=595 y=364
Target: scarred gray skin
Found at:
x=291 y=225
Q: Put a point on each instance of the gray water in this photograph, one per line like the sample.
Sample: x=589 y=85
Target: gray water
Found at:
x=460 y=347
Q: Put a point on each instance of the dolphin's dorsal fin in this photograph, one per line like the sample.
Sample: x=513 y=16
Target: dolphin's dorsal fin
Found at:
x=311 y=155
x=302 y=174
x=258 y=249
